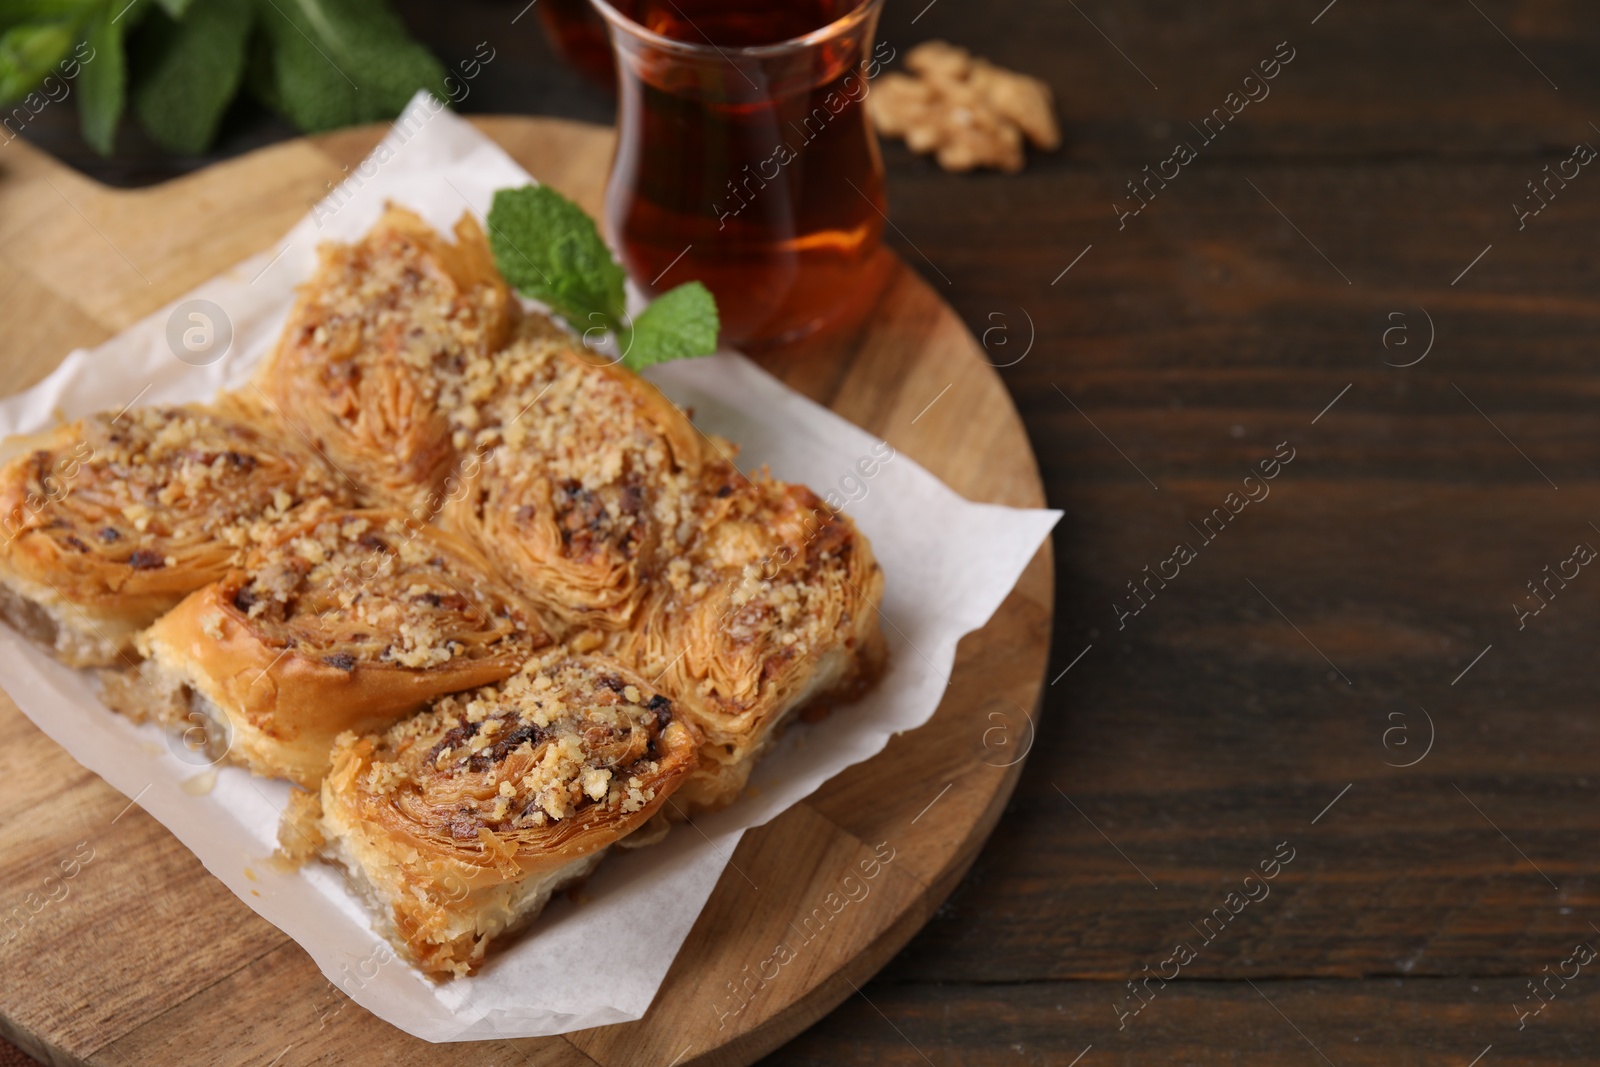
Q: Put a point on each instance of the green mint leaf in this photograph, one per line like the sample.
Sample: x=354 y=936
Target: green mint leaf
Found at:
x=20 y=12
x=177 y=8
x=681 y=323
x=103 y=81
x=332 y=63
x=30 y=52
x=260 y=69
x=549 y=250
x=188 y=72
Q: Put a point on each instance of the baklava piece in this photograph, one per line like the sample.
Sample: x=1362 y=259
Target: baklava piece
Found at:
x=584 y=479
x=461 y=822
x=366 y=361
x=344 y=621
x=776 y=607
x=111 y=520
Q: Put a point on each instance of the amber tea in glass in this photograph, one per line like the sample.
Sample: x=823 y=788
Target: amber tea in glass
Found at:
x=745 y=158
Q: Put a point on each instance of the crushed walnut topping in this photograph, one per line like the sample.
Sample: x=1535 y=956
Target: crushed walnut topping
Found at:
x=967 y=111
x=165 y=487
x=562 y=735
x=380 y=343
x=367 y=588
x=399 y=291
x=772 y=581
x=589 y=482
x=607 y=473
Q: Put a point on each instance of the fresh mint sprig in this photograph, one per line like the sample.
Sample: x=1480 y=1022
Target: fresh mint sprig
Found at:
x=548 y=248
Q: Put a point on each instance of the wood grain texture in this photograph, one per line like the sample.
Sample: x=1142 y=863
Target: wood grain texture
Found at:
x=142 y=957
x=1260 y=1024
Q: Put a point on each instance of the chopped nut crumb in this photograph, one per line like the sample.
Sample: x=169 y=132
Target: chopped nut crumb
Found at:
x=390 y=595
x=544 y=767
x=967 y=111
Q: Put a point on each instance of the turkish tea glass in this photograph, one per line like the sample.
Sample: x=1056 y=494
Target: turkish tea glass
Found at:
x=745 y=158
x=578 y=35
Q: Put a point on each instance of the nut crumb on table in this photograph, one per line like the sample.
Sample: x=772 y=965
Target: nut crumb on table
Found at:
x=966 y=110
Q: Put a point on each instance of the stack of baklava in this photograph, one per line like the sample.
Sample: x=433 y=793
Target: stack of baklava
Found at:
x=494 y=604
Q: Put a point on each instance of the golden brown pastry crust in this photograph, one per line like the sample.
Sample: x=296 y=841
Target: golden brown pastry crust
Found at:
x=586 y=479
x=367 y=359
x=342 y=621
x=408 y=381
x=109 y=521
x=775 y=607
x=461 y=821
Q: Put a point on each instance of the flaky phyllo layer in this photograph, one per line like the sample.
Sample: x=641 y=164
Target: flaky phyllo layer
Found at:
x=366 y=586
x=446 y=817
x=378 y=336
x=110 y=520
x=587 y=481
x=489 y=598
x=774 y=606
x=339 y=620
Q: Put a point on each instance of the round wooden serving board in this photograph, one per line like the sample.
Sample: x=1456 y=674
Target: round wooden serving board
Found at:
x=147 y=959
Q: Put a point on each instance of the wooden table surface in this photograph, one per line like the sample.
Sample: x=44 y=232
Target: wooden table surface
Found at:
x=1341 y=275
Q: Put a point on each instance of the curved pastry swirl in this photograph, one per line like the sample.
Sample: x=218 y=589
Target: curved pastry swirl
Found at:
x=463 y=820
x=586 y=479
x=275 y=558
x=775 y=607
x=367 y=359
x=343 y=621
x=110 y=520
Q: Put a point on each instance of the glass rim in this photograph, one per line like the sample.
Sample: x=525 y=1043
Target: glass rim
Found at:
x=839 y=26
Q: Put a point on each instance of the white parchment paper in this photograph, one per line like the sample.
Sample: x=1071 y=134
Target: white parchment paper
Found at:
x=948 y=563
